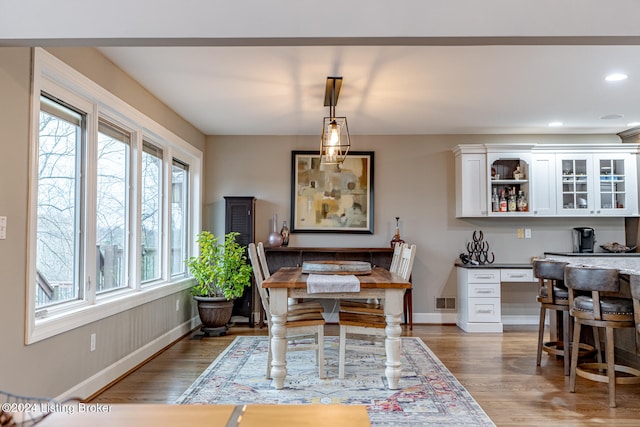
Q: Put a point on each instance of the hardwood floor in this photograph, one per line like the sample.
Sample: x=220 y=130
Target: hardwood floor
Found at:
x=499 y=370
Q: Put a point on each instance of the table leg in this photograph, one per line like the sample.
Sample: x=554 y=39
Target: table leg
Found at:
x=278 y=307
x=393 y=312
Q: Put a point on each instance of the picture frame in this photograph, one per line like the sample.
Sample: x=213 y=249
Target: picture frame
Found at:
x=329 y=198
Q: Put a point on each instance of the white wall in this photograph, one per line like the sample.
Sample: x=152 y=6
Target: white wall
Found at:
x=414 y=179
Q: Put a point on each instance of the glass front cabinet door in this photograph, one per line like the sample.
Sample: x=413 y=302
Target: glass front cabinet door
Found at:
x=575 y=193
x=615 y=191
x=597 y=184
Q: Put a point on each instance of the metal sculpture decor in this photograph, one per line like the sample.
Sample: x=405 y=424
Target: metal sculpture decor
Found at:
x=478 y=250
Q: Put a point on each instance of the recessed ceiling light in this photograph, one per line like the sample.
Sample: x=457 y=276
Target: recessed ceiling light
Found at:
x=633 y=124
x=555 y=124
x=616 y=77
x=612 y=116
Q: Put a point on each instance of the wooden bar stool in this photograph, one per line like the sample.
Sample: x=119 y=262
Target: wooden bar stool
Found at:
x=552 y=295
x=599 y=309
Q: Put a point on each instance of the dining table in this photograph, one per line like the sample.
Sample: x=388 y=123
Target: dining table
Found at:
x=291 y=282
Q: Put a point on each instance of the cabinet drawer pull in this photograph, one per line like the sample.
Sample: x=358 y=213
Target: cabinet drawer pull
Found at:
x=484 y=291
x=484 y=276
x=486 y=310
x=517 y=275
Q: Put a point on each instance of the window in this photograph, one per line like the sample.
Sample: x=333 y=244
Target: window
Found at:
x=151 y=215
x=59 y=202
x=179 y=215
x=112 y=206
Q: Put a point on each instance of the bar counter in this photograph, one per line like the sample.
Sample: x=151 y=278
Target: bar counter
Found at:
x=627 y=264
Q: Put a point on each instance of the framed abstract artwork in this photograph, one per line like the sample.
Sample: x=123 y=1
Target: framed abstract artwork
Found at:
x=329 y=198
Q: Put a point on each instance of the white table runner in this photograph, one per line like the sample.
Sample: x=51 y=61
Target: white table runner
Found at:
x=319 y=283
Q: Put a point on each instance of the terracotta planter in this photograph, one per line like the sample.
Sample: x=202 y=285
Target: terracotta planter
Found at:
x=215 y=313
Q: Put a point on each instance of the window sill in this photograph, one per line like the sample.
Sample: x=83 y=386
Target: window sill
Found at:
x=58 y=323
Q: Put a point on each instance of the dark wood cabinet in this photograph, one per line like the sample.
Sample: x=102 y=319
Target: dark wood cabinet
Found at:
x=239 y=216
x=294 y=257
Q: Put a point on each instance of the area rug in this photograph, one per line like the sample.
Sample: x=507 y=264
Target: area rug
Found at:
x=429 y=394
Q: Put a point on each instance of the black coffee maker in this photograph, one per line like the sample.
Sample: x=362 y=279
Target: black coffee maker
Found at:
x=584 y=239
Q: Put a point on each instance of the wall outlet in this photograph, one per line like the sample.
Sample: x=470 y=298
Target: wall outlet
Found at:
x=520 y=233
x=527 y=233
x=92 y=346
x=3 y=227
x=178 y=304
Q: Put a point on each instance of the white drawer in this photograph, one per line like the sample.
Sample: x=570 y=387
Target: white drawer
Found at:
x=484 y=310
x=484 y=290
x=483 y=275
x=517 y=275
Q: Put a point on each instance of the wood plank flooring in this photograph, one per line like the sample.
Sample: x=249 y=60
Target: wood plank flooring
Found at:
x=499 y=370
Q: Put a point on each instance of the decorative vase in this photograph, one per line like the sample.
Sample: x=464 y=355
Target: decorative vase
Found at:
x=396 y=237
x=284 y=232
x=275 y=238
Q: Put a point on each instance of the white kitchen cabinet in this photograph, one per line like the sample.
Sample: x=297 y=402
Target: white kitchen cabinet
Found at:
x=557 y=180
x=543 y=187
x=616 y=185
x=596 y=184
x=471 y=181
x=510 y=175
x=479 y=299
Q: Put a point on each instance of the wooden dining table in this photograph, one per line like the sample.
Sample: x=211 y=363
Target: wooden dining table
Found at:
x=291 y=282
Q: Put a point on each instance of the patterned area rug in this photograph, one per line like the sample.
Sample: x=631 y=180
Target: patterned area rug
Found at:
x=429 y=394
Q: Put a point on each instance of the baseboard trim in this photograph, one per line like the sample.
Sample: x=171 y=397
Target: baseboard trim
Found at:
x=521 y=320
x=111 y=373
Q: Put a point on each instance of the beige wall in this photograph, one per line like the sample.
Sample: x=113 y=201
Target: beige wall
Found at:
x=55 y=365
x=414 y=179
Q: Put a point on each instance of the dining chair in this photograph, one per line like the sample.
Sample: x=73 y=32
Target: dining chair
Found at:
x=395 y=258
x=408 y=297
x=302 y=322
x=367 y=318
x=293 y=302
x=602 y=307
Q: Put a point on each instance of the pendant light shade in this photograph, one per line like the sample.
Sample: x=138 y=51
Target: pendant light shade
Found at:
x=335 y=142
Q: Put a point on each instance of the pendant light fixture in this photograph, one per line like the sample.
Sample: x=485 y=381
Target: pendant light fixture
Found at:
x=335 y=143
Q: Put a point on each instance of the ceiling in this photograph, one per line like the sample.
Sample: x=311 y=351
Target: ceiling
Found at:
x=390 y=90
x=419 y=67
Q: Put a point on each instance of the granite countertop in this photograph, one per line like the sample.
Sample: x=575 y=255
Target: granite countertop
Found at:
x=595 y=254
x=495 y=265
x=625 y=263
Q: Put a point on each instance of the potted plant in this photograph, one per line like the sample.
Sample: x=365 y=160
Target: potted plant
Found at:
x=222 y=273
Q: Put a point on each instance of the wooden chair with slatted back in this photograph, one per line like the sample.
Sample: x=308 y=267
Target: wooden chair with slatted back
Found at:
x=368 y=319
x=408 y=295
x=266 y=274
x=395 y=258
x=302 y=322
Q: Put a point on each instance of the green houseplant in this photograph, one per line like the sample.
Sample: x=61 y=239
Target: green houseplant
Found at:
x=222 y=273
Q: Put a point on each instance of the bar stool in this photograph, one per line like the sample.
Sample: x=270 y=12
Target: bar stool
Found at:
x=599 y=310
x=552 y=295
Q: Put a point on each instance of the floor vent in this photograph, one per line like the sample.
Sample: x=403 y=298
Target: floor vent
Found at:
x=445 y=303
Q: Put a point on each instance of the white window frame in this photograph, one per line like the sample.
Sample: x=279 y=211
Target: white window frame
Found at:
x=58 y=79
